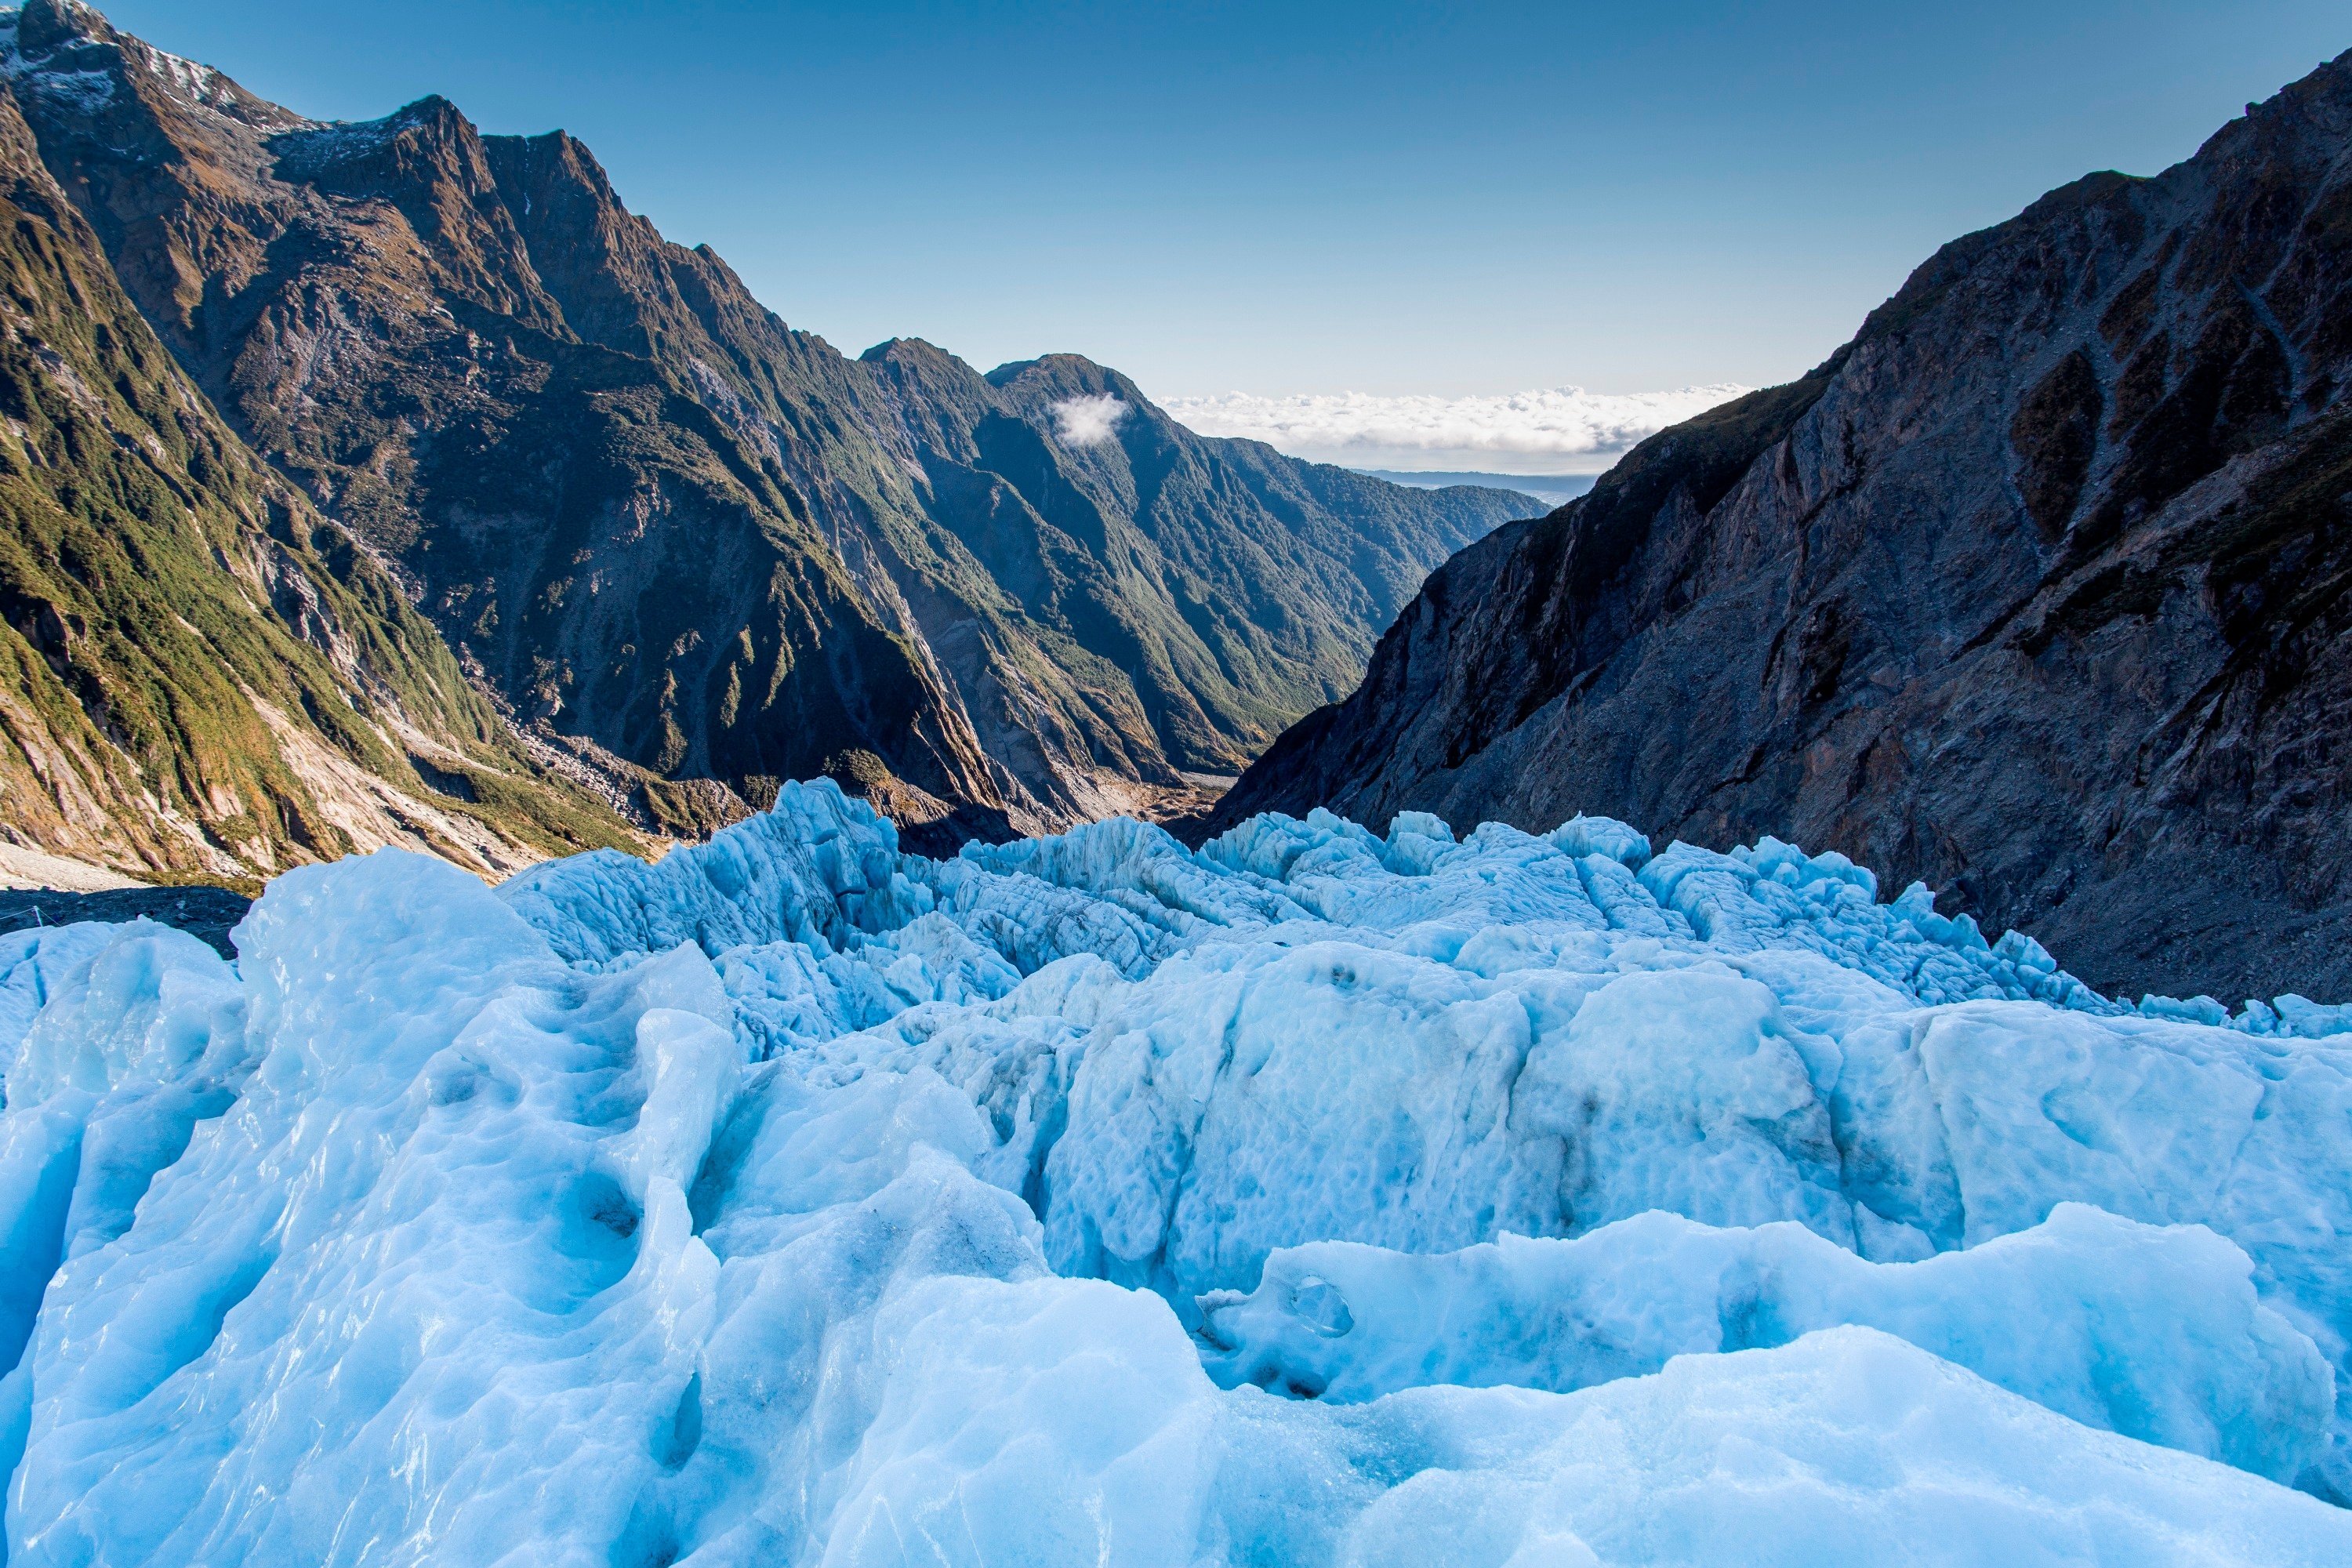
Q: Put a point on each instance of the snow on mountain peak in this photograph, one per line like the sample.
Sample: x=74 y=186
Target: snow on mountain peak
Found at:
x=80 y=53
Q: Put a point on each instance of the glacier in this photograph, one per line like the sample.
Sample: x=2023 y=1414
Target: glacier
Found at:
x=1314 y=1197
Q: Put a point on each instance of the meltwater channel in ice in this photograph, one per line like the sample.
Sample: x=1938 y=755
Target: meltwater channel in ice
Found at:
x=1312 y=1197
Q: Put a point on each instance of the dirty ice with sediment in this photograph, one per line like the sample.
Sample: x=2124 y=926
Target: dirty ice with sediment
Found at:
x=1311 y=1197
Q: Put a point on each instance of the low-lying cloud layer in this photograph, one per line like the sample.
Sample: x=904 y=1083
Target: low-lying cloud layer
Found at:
x=1088 y=421
x=1563 y=429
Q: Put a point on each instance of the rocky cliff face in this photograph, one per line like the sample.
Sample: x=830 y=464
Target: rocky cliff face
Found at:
x=679 y=538
x=205 y=677
x=2035 y=591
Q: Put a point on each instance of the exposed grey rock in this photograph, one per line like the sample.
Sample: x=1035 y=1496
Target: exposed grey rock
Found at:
x=2034 y=591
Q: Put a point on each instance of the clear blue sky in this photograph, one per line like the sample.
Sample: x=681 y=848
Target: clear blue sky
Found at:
x=1310 y=198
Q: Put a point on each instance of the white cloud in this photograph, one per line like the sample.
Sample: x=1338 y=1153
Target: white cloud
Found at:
x=1564 y=429
x=1088 y=421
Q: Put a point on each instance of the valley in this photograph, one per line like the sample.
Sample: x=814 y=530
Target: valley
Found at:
x=630 y=940
x=669 y=551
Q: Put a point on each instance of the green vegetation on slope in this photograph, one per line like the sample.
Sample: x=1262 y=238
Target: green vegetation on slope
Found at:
x=203 y=678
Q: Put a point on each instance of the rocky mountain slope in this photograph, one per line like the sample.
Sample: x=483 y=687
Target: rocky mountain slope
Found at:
x=1233 y=588
x=205 y=678
x=2036 y=591
x=678 y=538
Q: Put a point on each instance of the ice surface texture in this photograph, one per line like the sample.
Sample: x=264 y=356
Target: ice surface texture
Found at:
x=1313 y=1197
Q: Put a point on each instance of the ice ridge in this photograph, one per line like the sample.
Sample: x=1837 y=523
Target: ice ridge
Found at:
x=1313 y=1197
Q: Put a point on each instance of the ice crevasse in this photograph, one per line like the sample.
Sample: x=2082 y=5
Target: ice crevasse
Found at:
x=1311 y=1197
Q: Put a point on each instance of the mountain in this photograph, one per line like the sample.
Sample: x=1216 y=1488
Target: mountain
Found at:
x=1552 y=490
x=2035 y=591
x=692 y=551
x=207 y=678
x=1229 y=587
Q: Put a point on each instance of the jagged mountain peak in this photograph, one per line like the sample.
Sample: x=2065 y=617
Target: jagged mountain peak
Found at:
x=63 y=45
x=678 y=538
x=1063 y=375
x=206 y=677
x=44 y=27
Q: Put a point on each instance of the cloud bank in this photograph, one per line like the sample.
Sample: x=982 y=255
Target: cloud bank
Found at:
x=1088 y=421
x=1562 y=429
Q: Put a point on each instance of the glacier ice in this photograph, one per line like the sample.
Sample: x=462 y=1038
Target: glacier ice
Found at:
x=1314 y=1197
x=2153 y=1332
